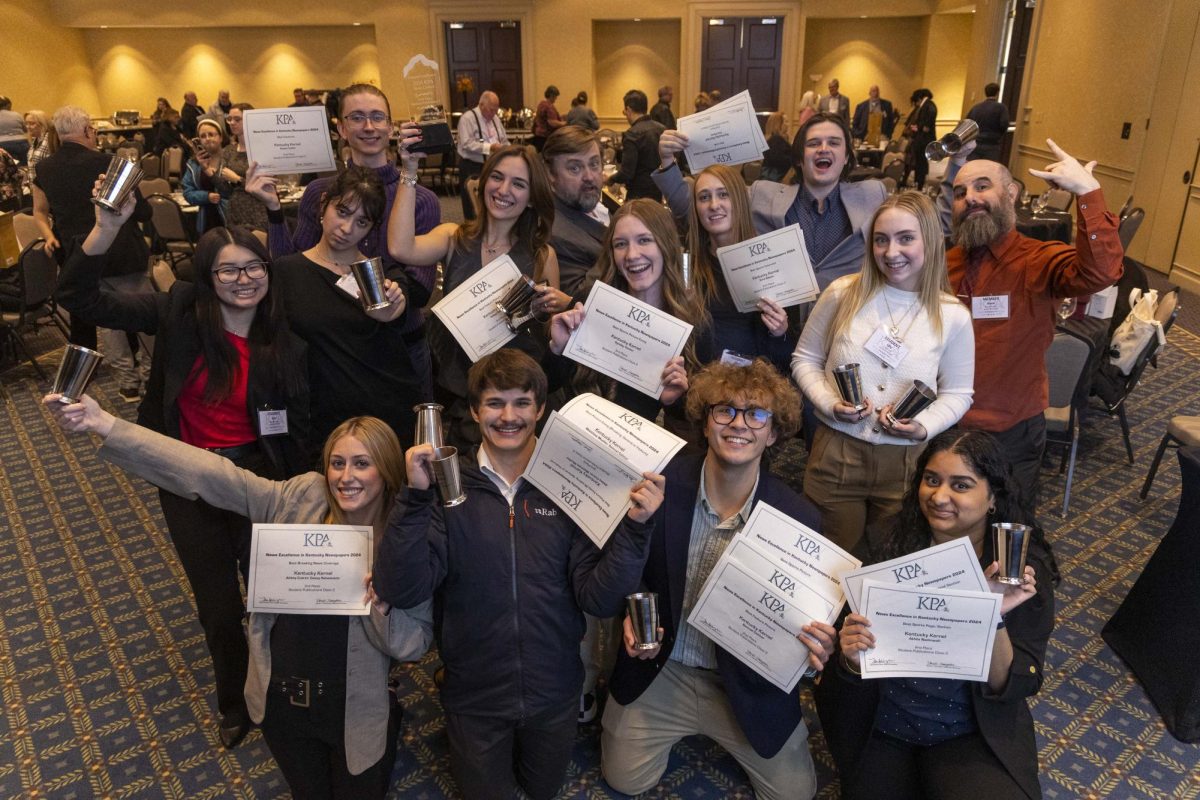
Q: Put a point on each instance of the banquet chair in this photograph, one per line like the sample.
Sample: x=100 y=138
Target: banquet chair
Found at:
x=1125 y=209
x=173 y=164
x=36 y=277
x=151 y=166
x=893 y=167
x=1059 y=200
x=170 y=233
x=751 y=171
x=1182 y=431
x=26 y=228
x=1129 y=225
x=1066 y=359
x=155 y=185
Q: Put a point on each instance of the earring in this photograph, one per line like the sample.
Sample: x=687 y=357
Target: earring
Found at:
x=992 y=510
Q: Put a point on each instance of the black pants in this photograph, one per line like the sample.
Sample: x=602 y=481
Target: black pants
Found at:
x=953 y=770
x=490 y=757
x=467 y=169
x=214 y=547
x=1024 y=444
x=309 y=744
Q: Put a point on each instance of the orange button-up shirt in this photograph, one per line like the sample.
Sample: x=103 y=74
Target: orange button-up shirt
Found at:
x=1010 y=367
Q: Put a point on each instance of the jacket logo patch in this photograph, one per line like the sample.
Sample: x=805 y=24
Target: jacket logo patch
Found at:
x=541 y=512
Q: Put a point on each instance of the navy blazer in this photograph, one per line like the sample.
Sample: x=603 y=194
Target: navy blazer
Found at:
x=767 y=715
x=862 y=115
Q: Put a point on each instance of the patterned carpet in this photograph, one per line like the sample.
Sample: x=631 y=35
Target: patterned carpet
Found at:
x=105 y=683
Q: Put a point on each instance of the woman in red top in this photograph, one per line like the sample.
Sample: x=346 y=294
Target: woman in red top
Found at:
x=546 y=119
x=227 y=375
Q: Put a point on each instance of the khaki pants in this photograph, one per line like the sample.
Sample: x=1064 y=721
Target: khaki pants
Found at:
x=855 y=483
x=683 y=701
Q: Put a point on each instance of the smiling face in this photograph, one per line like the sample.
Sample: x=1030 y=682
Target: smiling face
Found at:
x=984 y=206
x=354 y=480
x=736 y=443
x=637 y=255
x=234 y=120
x=899 y=249
x=954 y=499
x=507 y=419
x=506 y=191
x=34 y=126
x=824 y=154
x=714 y=208
x=576 y=178
x=244 y=292
x=366 y=138
x=344 y=223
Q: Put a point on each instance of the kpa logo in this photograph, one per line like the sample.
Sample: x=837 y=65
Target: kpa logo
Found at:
x=772 y=604
x=317 y=540
x=908 y=572
x=784 y=583
x=639 y=316
x=808 y=546
x=931 y=603
x=759 y=249
x=570 y=498
x=632 y=420
x=285 y=119
x=480 y=288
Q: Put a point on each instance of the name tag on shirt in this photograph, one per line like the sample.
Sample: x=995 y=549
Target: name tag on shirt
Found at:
x=887 y=348
x=991 y=306
x=348 y=285
x=272 y=421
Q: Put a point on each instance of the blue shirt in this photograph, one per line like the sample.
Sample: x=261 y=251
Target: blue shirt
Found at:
x=923 y=711
x=823 y=230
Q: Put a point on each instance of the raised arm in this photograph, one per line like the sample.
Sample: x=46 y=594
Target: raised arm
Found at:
x=403 y=243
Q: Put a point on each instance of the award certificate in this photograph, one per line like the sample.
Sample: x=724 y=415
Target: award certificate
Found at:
x=727 y=133
x=470 y=314
x=774 y=265
x=805 y=555
x=952 y=565
x=309 y=569
x=288 y=140
x=929 y=633
x=626 y=339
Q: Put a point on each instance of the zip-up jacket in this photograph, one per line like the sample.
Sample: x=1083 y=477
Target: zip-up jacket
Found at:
x=512 y=585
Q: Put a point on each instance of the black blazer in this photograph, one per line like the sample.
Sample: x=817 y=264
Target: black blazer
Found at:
x=766 y=715
x=171 y=318
x=847 y=704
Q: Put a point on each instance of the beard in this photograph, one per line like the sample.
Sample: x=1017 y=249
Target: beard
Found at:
x=981 y=230
x=583 y=200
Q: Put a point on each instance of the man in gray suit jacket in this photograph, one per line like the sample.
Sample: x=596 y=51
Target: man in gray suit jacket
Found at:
x=572 y=156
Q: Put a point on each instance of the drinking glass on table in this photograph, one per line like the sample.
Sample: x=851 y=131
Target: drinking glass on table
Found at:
x=1066 y=308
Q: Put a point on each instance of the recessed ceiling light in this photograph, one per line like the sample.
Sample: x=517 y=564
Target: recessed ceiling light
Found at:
x=357 y=24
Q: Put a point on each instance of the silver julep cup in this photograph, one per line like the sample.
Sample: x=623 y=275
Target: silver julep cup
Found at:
x=447 y=476
x=368 y=273
x=429 y=425
x=120 y=179
x=965 y=131
x=74 y=371
x=643 y=616
x=1010 y=543
x=685 y=266
x=917 y=400
x=517 y=302
x=849 y=384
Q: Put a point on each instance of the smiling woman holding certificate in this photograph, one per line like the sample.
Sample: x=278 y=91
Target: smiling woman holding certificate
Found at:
x=921 y=737
x=897 y=323
x=317 y=684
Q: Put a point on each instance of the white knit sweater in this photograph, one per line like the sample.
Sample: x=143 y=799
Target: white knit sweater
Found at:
x=946 y=365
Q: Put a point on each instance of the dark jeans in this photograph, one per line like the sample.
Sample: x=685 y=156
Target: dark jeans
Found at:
x=491 y=756
x=1024 y=444
x=961 y=767
x=467 y=169
x=309 y=744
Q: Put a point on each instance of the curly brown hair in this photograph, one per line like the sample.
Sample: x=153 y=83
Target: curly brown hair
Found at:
x=759 y=383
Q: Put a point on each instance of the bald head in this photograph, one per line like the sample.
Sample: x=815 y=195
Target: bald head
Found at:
x=489 y=103
x=984 y=208
x=873 y=92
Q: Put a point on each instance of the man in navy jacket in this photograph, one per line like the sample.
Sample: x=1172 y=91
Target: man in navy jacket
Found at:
x=690 y=685
x=513 y=576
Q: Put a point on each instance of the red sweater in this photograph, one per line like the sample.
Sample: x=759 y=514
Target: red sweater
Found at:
x=1010 y=368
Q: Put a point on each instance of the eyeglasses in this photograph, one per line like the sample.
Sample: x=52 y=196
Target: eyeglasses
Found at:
x=359 y=118
x=755 y=417
x=230 y=274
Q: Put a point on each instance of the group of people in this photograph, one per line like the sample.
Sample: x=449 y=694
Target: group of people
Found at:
x=274 y=396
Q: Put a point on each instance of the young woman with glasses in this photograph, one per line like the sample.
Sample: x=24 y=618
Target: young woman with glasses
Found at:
x=244 y=209
x=227 y=375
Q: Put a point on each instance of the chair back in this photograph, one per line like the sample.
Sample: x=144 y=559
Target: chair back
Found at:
x=1059 y=200
x=155 y=185
x=1168 y=309
x=1129 y=225
x=26 y=228
x=129 y=150
x=151 y=166
x=39 y=273
x=751 y=171
x=174 y=162
x=1125 y=209
x=889 y=183
x=167 y=219
x=894 y=168
x=1065 y=360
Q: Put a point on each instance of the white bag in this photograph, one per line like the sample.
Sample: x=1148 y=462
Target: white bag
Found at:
x=1131 y=338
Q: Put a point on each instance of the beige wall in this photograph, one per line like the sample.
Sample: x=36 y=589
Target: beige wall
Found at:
x=632 y=55
x=43 y=65
x=944 y=71
x=862 y=52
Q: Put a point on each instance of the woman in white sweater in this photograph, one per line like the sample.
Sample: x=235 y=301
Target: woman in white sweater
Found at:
x=899 y=322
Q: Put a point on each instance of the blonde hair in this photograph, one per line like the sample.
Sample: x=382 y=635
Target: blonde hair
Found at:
x=699 y=242
x=776 y=124
x=934 y=287
x=383 y=447
x=808 y=100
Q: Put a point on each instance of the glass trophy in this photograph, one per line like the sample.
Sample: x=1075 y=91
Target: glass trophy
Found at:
x=422 y=81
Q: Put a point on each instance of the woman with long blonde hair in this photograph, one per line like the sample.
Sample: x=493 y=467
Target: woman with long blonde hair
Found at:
x=898 y=321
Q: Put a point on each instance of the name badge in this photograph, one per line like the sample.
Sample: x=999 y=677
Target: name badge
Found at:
x=272 y=421
x=992 y=306
x=736 y=359
x=887 y=348
x=348 y=285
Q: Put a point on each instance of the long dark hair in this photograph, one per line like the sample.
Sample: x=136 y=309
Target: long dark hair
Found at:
x=270 y=346
x=363 y=185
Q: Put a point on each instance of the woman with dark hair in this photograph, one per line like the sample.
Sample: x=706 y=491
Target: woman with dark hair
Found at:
x=546 y=118
x=935 y=738
x=244 y=209
x=317 y=684
x=162 y=106
x=167 y=134
x=582 y=115
x=201 y=175
x=358 y=361
x=227 y=375
x=516 y=214
x=921 y=129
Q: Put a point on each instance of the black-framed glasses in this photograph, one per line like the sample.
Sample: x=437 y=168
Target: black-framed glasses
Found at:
x=755 y=417
x=359 y=118
x=254 y=270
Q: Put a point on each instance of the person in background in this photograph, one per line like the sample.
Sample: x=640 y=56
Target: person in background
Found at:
x=223 y=354
x=863 y=112
x=546 y=118
x=921 y=129
x=687 y=684
x=316 y=684
x=639 y=150
x=11 y=181
x=897 y=320
x=220 y=107
x=204 y=184
x=190 y=114
x=12 y=132
x=835 y=102
x=778 y=158
x=244 y=209
x=922 y=737
x=661 y=112
x=702 y=101
x=364 y=124
x=581 y=113
x=575 y=167
x=808 y=107
x=480 y=133
x=511 y=605
x=162 y=106
x=167 y=134
x=992 y=118
x=41 y=141
x=1013 y=284
x=298 y=98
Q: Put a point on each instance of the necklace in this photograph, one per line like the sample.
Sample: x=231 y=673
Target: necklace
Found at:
x=329 y=261
x=894 y=330
x=492 y=249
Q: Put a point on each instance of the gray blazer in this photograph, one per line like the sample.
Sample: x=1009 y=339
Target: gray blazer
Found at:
x=373 y=640
x=577 y=240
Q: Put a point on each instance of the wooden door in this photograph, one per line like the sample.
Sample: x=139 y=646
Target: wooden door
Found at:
x=489 y=53
x=740 y=53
